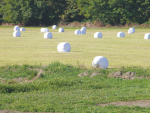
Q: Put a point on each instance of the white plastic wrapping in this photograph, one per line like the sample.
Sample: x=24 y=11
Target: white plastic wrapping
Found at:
x=63 y=47
x=83 y=31
x=61 y=30
x=147 y=36
x=100 y=62
x=16 y=28
x=44 y=30
x=98 y=35
x=131 y=31
x=48 y=35
x=16 y=34
x=54 y=27
x=77 y=32
x=22 y=29
x=120 y=34
x=83 y=28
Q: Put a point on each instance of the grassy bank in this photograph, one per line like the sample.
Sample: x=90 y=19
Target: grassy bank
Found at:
x=65 y=88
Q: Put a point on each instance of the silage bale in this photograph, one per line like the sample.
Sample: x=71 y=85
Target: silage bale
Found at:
x=131 y=31
x=83 y=28
x=83 y=31
x=100 y=62
x=16 y=34
x=98 y=35
x=16 y=28
x=44 y=30
x=54 y=27
x=22 y=29
x=48 y=35
x=63 y=47
x=120 y=34
x=77 y=32
x=61 y=30
x=147 y=36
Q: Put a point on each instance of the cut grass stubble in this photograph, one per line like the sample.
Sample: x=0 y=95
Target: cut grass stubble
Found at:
x=32 y=48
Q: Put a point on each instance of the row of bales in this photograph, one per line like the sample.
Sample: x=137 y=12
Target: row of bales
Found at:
x=98 y=61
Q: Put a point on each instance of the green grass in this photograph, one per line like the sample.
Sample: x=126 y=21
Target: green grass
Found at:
x=31 y=48
x=59 y=88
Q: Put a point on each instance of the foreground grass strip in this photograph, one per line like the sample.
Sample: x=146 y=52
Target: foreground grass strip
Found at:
x=61 y=89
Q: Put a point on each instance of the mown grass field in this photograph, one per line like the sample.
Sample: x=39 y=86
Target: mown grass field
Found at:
x=32 y=48
x=58 y=88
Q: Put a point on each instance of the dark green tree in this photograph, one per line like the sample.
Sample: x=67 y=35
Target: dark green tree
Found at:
x=33 y=12
x=72 y=12
x=116 y=11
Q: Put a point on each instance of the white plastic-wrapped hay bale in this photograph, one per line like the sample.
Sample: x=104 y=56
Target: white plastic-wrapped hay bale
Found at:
x=120 y=34
x=83 y=31
x=77 y=32
x=54 y=27
x=16 y=34
x=100 y=62
x=22 y=29
x=61 y=30
x=16 y=28
x=98 y=35
x=147 y=36
x=131 y=31
x=44 y=30
x=63 y=47
x=48 y=35
x=83 y=28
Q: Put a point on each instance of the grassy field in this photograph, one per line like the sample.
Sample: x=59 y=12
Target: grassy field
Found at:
x=32 y=48
x=35 y=77
x=60 y=89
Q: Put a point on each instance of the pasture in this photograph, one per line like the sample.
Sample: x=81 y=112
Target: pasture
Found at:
x=35 y=77
x=31 y=48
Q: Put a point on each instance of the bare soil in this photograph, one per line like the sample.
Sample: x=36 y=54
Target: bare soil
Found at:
x=9 y=111
x=141 y=103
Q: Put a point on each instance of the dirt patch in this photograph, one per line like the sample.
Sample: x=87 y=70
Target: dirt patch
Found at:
x=22 y=80
x=9 y=111
x=141 y=103
x=36 y=77
x=127 y=75
x=87 y=74
x=82 y=74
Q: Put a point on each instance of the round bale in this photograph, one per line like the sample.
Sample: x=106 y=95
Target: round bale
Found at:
x=120 y=34
x=131 y=31
x=77 y=32
x=98 y=35
x=16 y=28
x=61 y=30
x=83 y=28
x=100 y=62
x=147 y=36
x=54 y=27
x=83 y=31
x=22 y=29
x=63 y=47
x=44 y=30
x=16 y=34
x=48 y=35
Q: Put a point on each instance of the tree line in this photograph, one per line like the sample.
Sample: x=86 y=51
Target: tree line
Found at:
x=49 y=12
